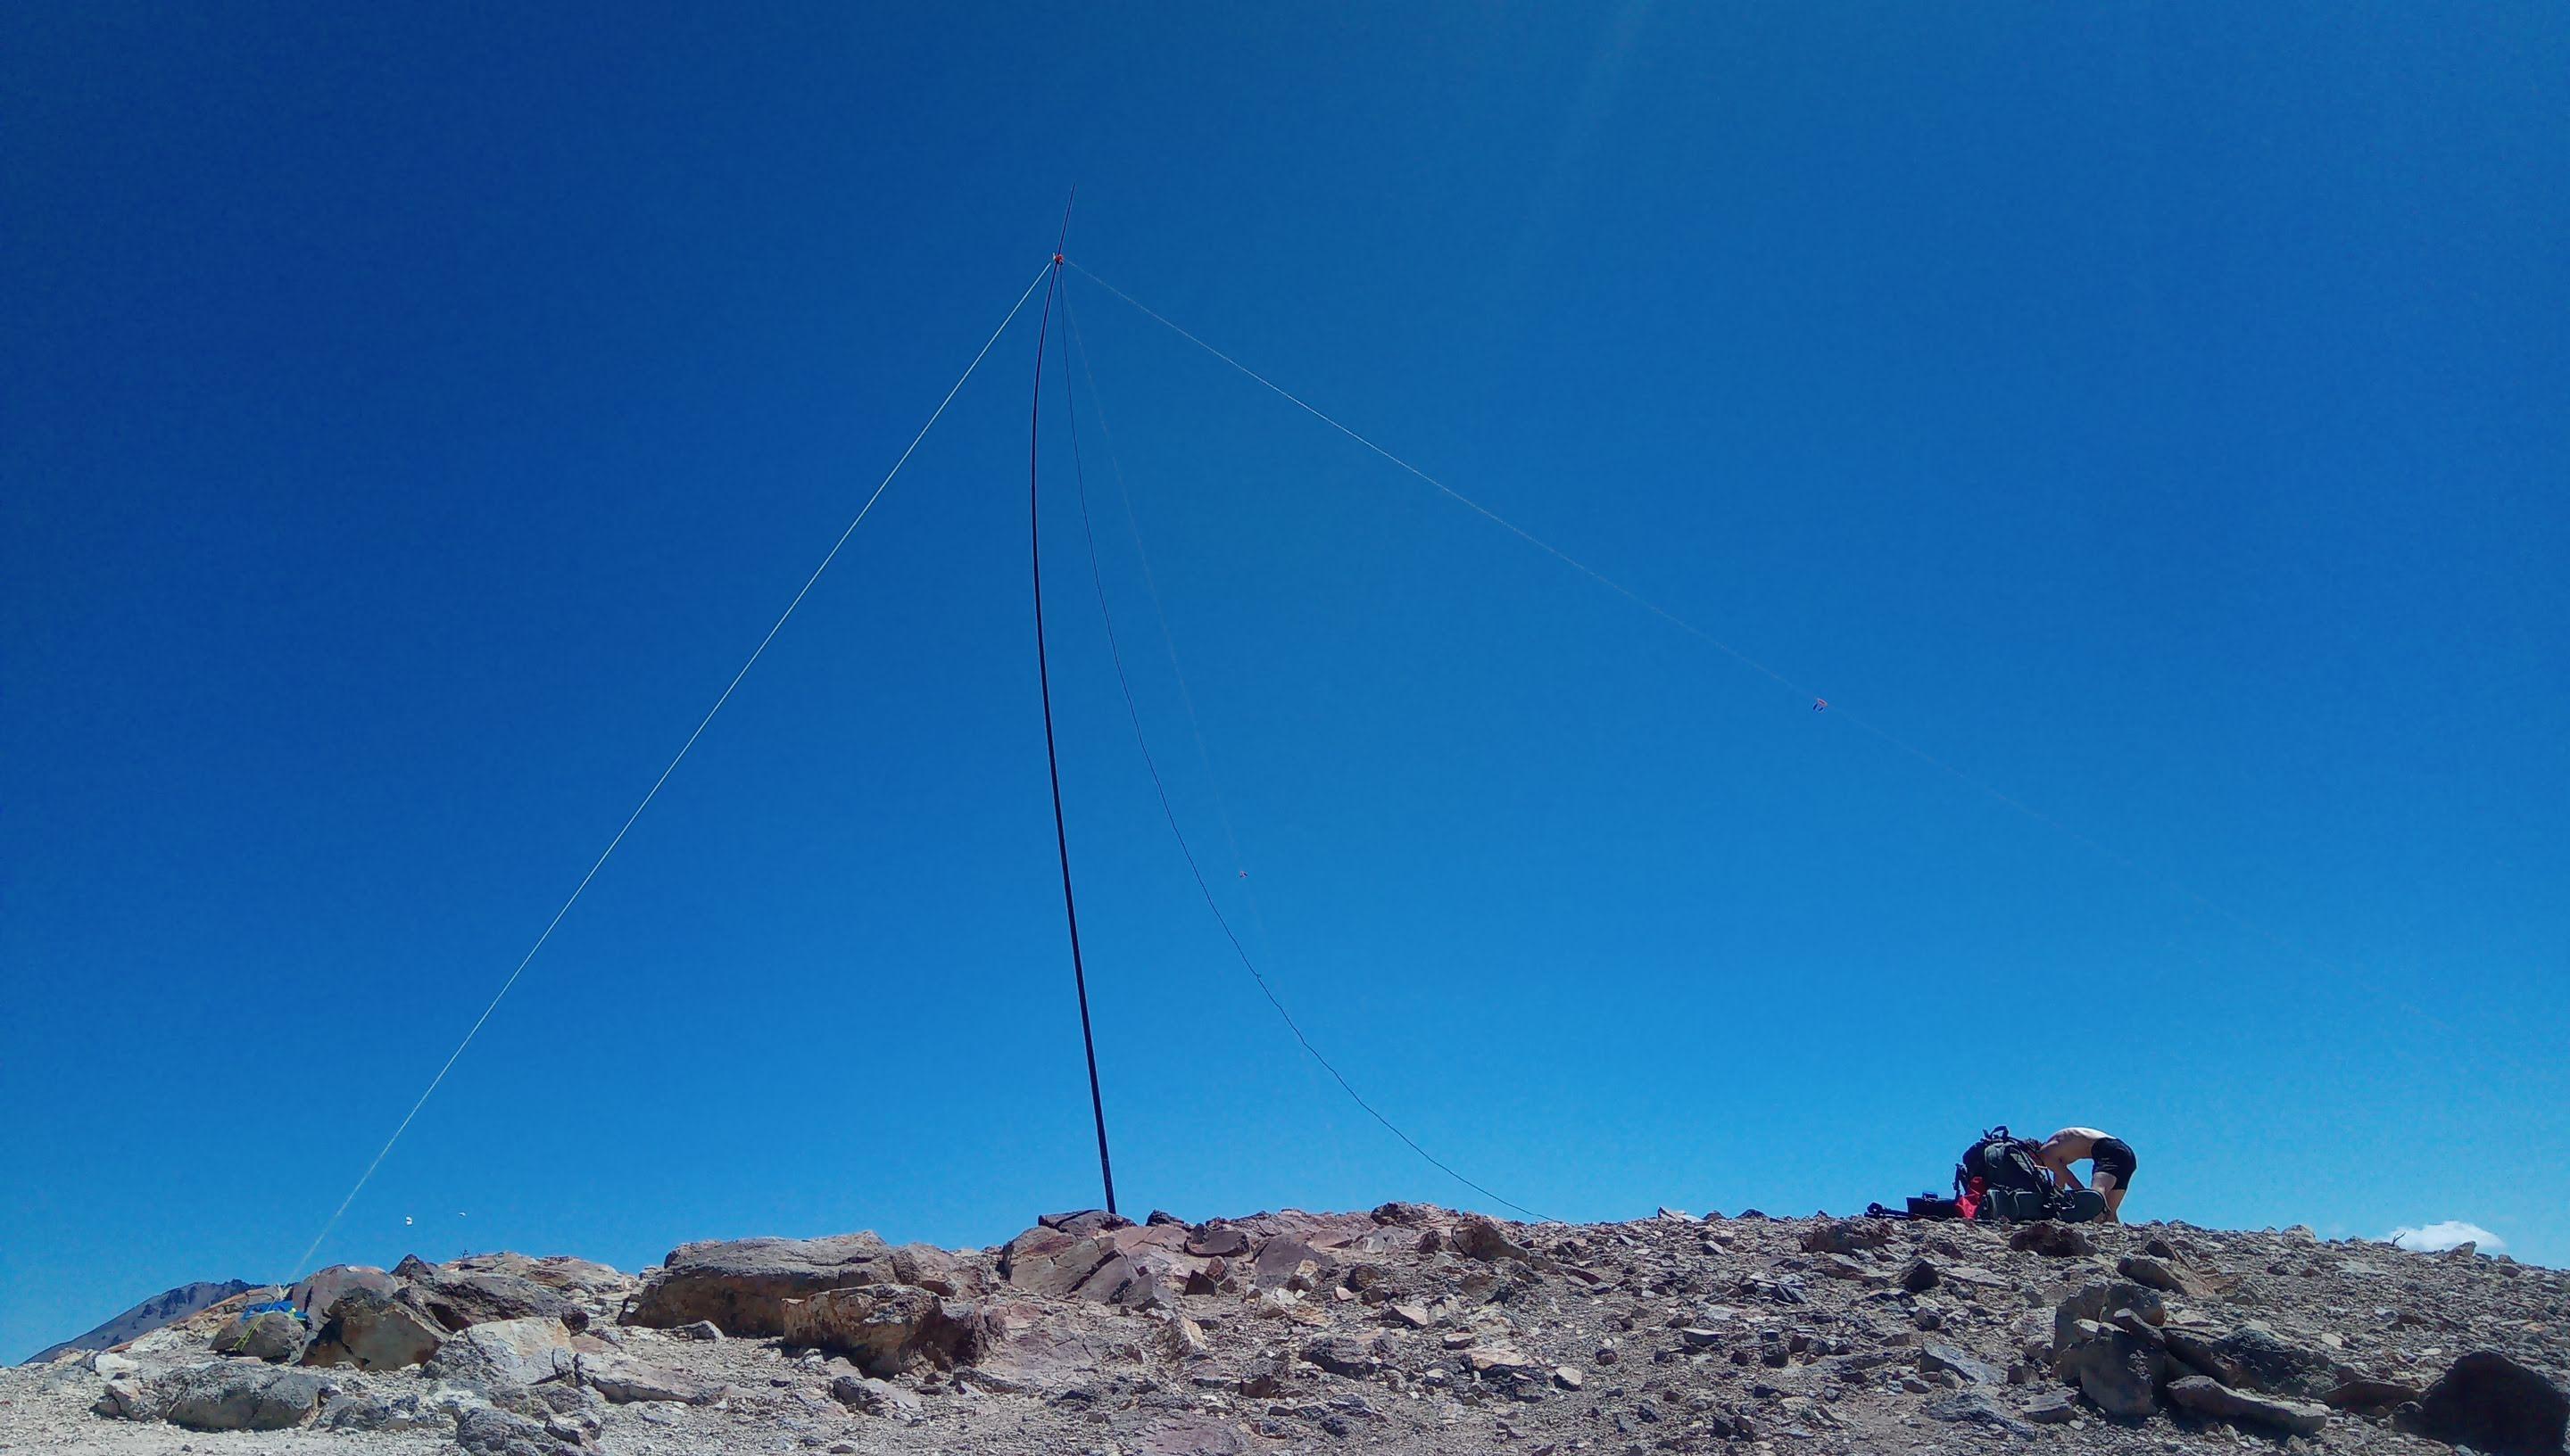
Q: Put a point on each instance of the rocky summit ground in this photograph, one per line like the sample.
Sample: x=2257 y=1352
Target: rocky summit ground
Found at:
x=1406 y=1329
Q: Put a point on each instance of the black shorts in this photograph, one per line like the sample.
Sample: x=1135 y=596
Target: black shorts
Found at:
x=2112 y=1155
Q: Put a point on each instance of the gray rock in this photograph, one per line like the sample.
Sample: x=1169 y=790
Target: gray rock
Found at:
x=1921 y=1276
x=2364 y=1393
x=238 y=1398
x=2052 y=1408
x=889 y=1328
x=1946 y=1358
x=366 y=1410
x=2254 y=1357
x=2099 y=1301
x=274 y=1336
x=490 y=1432
x=373 y=1332
x=126 y=1397
x=1343 y=1355
x=873 y=1396
x=743 y=1285
x=2491 y=1403
x=1975 y=1409
x=622 y=1381
x=2207 y=1396
x=2053 y=1241
x=703 y=1329
x=2164 y=1275
x=503 y=1353
x=2117 y=1371
x=1847 y=1236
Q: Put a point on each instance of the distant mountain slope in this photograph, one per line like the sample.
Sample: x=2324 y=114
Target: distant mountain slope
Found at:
x=150 y=1314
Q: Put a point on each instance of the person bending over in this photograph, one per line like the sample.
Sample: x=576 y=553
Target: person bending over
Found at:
x=2110 y=1162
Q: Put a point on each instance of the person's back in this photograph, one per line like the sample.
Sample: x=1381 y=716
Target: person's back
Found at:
x=2110 y=1160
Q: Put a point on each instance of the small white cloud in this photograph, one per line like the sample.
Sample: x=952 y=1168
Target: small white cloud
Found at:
x=2437 y=1238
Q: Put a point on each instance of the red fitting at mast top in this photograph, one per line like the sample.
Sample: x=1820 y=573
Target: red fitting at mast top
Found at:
x=1056 y=260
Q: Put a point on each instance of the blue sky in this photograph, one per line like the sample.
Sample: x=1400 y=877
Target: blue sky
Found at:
x=411 y=416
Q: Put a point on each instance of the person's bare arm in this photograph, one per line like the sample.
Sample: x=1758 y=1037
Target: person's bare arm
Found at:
x=2058 y=1166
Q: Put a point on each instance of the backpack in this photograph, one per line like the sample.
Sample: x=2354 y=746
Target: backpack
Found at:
x=2003 y=1163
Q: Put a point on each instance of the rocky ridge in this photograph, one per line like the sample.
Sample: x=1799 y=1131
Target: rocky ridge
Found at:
x=1408 y=1328
x=163 y=1308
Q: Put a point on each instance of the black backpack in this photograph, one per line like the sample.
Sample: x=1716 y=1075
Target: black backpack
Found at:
x=2003 y=1163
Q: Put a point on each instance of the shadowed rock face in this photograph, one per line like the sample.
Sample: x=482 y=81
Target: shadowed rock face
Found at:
x=887 y=1329
x=2492 y=1403
x=373 y=1332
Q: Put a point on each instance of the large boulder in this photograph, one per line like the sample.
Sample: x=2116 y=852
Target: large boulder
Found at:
x=1217 y=1240
x=2207 y=1396
x=233 y=1397
x=2097 y=1302
x=1052 y=1261
x=935 y=1271
x=578 y=1278
x=272 y=1336
x=1478 y=1237
x=315 y=1294
x=2254 y=1357
x=461 y=1298
x=743 y=1285
x=622 y=1381
x=1279 y=1258
x=373 y=1332
x=503 y=1353
x=889 y=1328
x=2117 y=1369
x=2491 y=1403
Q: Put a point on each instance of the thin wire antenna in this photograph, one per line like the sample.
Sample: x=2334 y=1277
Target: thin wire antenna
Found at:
x=1142 y=741
x=1800 y=691
x=1044 y=681
x=1884 y=735
x=1169 y=637
x=303 y=1263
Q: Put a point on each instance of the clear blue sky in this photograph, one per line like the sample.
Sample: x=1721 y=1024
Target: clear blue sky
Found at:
x=410 y=415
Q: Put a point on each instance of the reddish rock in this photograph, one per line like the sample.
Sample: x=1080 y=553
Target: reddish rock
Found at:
x=743 y=1285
